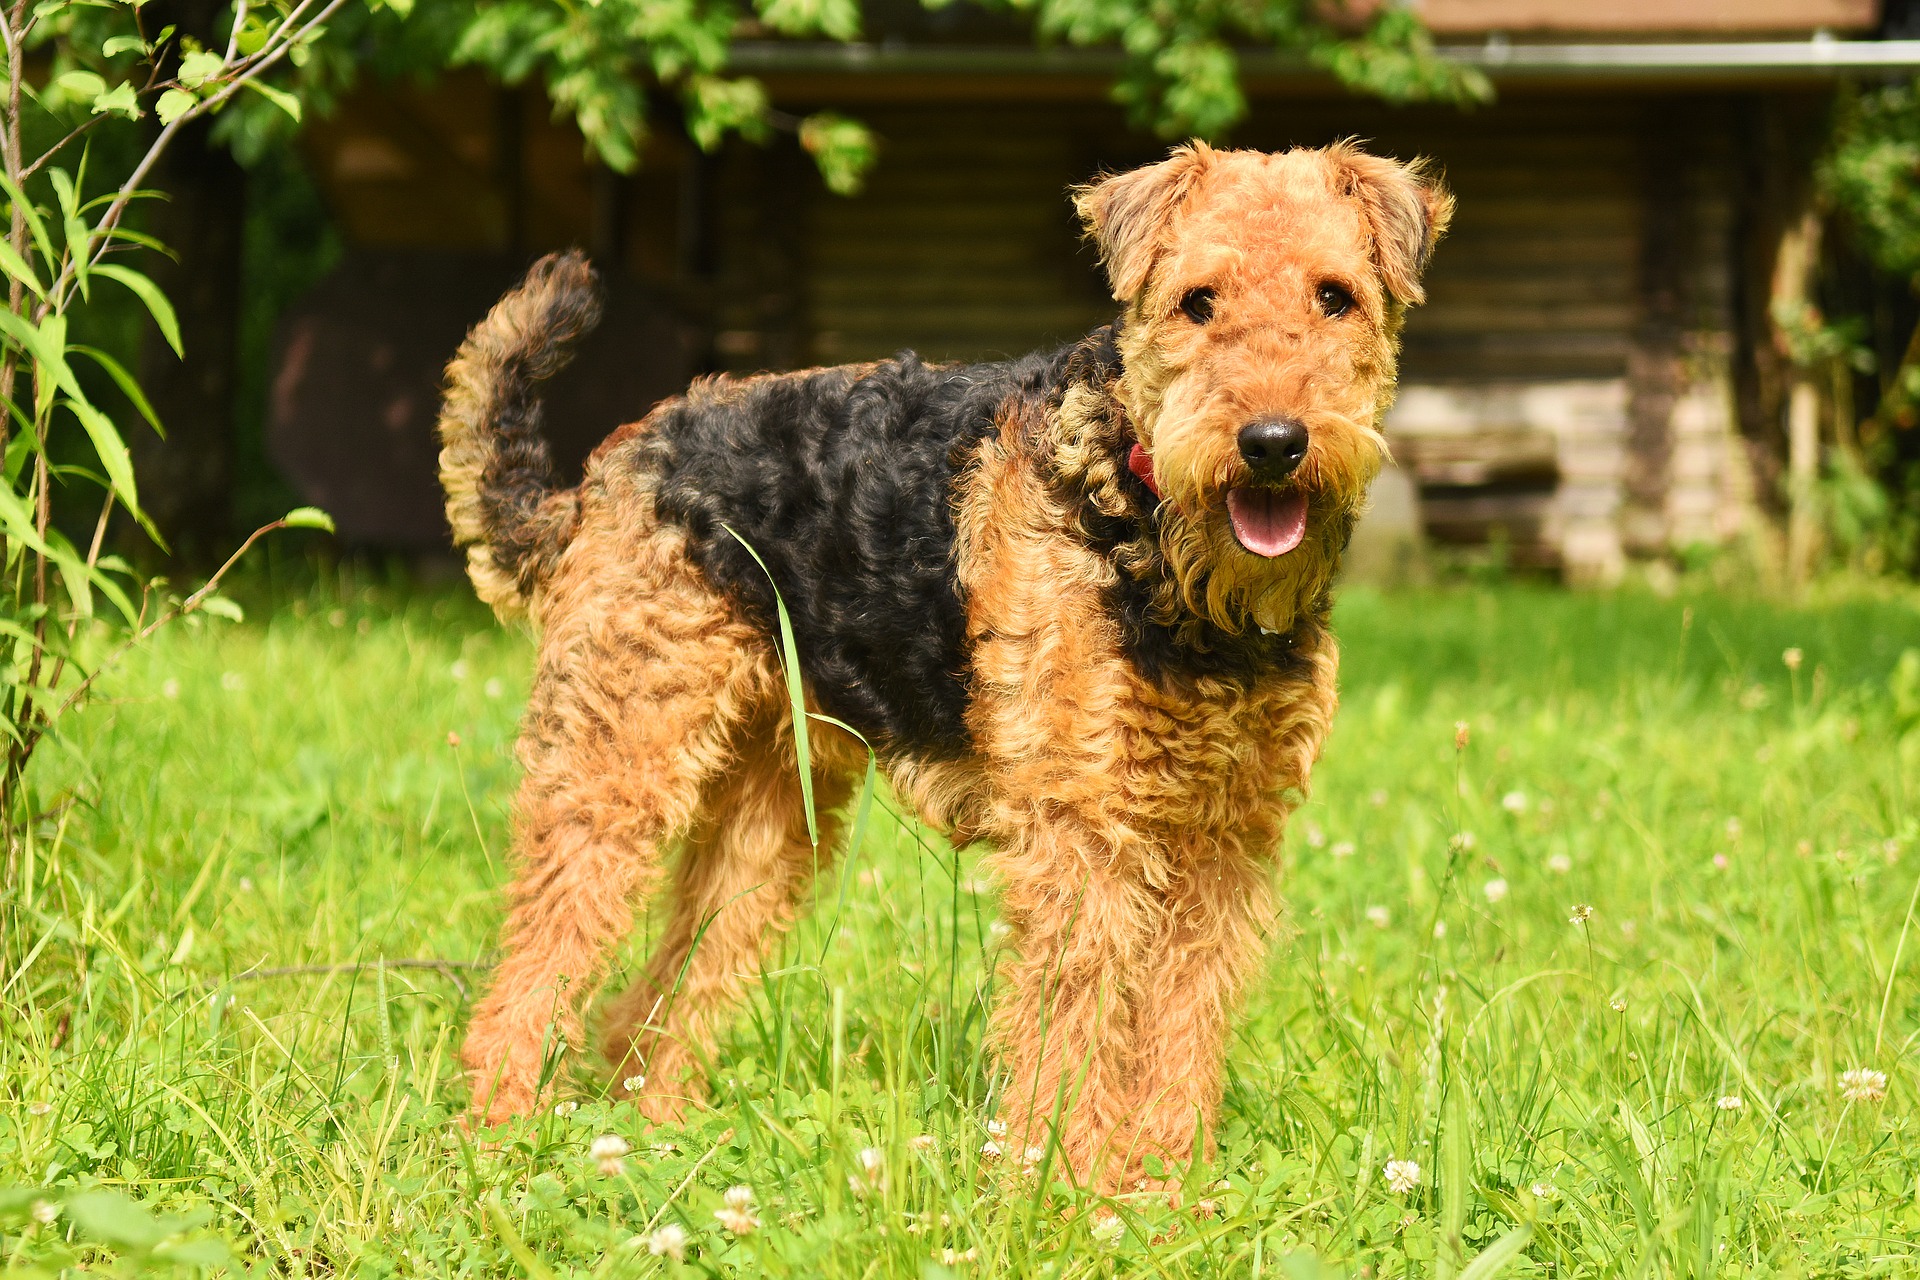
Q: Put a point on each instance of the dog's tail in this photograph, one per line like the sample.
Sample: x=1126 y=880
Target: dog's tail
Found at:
x=502 y=496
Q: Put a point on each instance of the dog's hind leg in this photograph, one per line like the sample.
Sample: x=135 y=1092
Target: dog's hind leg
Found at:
x=740 y=882
x=645 y=675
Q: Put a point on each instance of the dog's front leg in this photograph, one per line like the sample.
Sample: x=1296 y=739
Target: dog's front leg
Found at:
x=1064 y=1020
x=1209 y=942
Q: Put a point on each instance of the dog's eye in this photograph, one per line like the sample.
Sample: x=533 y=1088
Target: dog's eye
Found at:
x=1197 y=304
x=1334 y=301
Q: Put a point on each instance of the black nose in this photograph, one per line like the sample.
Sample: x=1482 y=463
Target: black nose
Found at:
x=1273 y=447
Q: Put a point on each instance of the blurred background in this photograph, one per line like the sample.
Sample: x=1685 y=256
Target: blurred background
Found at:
x=1669 y=330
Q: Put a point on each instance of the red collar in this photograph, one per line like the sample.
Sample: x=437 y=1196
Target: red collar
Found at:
x=1140 y=462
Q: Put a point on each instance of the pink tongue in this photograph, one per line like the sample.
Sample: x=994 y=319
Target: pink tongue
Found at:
x=1267 y=523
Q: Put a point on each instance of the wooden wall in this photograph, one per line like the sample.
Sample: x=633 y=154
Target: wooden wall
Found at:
x=1566 y=381
x=1578 y=310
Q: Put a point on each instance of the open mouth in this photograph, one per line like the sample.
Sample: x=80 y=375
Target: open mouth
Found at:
x=1267 y=522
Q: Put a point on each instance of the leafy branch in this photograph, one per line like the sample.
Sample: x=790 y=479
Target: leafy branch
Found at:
x=57 y=442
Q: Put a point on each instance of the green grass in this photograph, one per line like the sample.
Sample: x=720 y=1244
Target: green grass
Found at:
x=283 y=794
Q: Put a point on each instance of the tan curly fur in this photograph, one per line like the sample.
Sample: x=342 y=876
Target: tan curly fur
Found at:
x=1133 y=809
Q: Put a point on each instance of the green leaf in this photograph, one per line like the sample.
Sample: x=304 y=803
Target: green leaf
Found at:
x=717 y=106
x=149 y=293
x=203 y=1252
x=278 y=97
x=31 y=214
x=114 y=46
x=79 y=237
x=1494 y=1259
x=119 y=100
x=173 y=104
x=843 y=150
x=307 y=518
x=17 y=268
x=112 y=451
x=221 y=607
x=125 y=381
x=516 y=1246
x=45 y=345
x=111 y=1218
x=796 y=692
x=82 y=86
x=1454 y=1180
x=199 y=67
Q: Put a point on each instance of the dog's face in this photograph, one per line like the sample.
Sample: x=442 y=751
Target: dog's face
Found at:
x=1263 y=297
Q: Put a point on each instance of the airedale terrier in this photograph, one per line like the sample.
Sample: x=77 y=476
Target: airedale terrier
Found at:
x=1077 y=602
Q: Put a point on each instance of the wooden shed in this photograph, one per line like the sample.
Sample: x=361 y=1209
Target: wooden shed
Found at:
x=1573 y=392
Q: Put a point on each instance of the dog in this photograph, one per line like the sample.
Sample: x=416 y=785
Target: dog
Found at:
x=1076 y=603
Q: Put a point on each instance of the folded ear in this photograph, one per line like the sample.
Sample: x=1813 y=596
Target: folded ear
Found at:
x=1129 y=215
x=1408 y=210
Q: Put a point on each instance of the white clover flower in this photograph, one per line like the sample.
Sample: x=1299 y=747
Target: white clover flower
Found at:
x=1793 y=658
x=39 y=1108
x=991 y=1149
x=459 y=669
x=1108 y=1230
x=1462 y=841
x=1730 y=1102
x=170 y=688
x=1032 y=1156
x=607 y=1151
x=922 y=1142
x=493 y=688
x=1402 y=1176
x=1863 y=1084
x=1342 y=850
x=1439 y=928
x=997 y=1128
x=1316 y=838
x=1545 y=1191
x=1514 y=802
x=1618 y=1004
x=634 y=1084
x=1580 y=914
x=1495 y=889
x=565 y=1109
x=1559 y=864
x=873 y=1172
x=1379 y=917
x=736 y=1212
x=669 y=1241
x=44 y=1212
x=954 y=1257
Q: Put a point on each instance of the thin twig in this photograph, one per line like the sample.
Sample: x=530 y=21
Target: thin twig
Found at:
x=233 y=36
x=54 y=150
x=187 y=606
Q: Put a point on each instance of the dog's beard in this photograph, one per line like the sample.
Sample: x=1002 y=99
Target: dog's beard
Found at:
x=1213 y=578
x=1200 y=581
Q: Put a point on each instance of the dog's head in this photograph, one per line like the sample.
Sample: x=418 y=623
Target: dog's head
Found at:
x=1263 y=295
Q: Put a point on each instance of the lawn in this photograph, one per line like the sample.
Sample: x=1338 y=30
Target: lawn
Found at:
x=1614 y=965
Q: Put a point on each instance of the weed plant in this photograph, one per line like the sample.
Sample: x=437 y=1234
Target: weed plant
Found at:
x=1601 y=962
